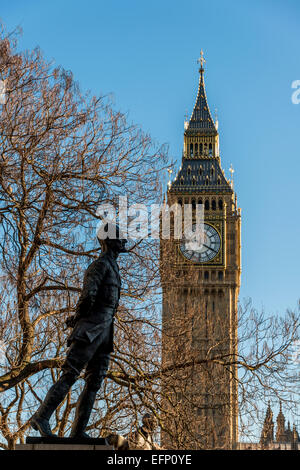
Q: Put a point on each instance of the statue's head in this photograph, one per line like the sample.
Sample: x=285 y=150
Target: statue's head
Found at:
x=110 y=238
x=149 y=422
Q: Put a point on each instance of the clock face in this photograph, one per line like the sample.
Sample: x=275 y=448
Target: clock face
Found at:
x=204 y=252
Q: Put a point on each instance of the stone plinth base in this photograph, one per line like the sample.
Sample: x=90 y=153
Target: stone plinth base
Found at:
x=64 y=443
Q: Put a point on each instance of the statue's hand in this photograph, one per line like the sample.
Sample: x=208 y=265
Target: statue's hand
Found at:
x=70 y=322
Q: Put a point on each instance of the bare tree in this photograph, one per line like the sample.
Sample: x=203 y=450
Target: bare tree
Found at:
x=63 y=153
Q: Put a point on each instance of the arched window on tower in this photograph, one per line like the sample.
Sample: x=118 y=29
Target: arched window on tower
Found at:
x=189 y=170
x=180 y=202
x=206 y=275
x=213 y=293
x=210 y=149
x=206 y=205
x=200 y=200
x=220 y=275
x=194 y=181
x=218 y=181
x=213 y=205
x=182 y=181
x=201 y=148
x=221 y=204
x=191 y=150
x=207 y=181
x=200 y=170
x=193 y=204
x=196 y=150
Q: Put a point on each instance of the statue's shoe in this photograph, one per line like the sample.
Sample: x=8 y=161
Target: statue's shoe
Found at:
x=42 y=425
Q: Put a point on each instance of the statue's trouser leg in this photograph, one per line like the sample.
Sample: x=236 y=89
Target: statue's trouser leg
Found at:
x=95 y=373
x=78 y=356
x=55 y=395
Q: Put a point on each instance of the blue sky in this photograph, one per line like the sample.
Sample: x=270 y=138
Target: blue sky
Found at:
x=145 y=53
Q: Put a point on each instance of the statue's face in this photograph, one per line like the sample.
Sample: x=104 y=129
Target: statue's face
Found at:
x=118 y=245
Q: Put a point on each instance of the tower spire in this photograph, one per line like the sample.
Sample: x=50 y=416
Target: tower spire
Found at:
x=280 y=433
x=201 y=119
x=267 y=435
x=201 y=168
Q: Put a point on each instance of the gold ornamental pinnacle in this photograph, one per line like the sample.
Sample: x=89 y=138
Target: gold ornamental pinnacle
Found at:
x=201 y=60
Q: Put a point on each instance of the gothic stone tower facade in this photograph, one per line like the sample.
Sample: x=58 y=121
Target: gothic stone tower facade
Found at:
x=200 y=295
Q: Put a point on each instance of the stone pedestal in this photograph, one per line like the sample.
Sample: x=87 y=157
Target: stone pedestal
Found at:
x=64 y=443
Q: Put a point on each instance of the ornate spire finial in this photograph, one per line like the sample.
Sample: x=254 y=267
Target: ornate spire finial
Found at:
x=170 y=171
x=186 y=120
x=201 y=61
x=231 y=175
x=216 y=119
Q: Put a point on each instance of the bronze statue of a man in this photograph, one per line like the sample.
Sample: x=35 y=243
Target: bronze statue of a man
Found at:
x=91 y=340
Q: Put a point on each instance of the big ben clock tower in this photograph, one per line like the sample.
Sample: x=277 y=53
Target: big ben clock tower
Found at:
x=200 y=296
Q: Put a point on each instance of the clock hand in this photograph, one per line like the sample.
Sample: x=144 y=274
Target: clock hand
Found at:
x=210 y=248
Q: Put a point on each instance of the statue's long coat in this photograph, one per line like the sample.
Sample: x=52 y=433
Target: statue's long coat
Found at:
x=98 y=302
